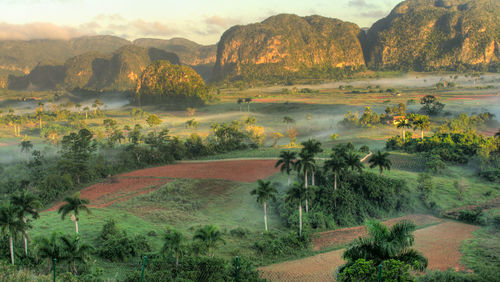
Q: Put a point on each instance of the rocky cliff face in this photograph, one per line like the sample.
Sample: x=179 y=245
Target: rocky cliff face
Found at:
x=93 y=71
x=189 y=52
x=288 y=44
x=176 y=85
x=435 y=34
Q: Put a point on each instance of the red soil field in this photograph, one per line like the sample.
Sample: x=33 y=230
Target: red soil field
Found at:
x=345 y=235
x=129 y=185
x=239 y=170
x=439 y=243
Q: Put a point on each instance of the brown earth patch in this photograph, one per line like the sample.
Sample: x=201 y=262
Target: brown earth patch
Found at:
x=128 y=185
x=346 y=235
x=239 y=170
x=439 y=243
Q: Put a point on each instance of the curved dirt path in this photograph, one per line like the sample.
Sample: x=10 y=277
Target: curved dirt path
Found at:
x=439 y=243
x=128 y=185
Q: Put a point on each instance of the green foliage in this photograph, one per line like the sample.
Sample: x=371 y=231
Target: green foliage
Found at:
x=448 y=276
x=471 y=215
x=425 y=186
x=165 y=83
x=121 y=247
x=431 y=106
x=366 y=270
x=273 y=245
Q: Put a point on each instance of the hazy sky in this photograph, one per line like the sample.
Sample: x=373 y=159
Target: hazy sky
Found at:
x=203 y=21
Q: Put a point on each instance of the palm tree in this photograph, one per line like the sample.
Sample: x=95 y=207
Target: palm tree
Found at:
x=248 y=101
x=74 y=204
x=27 y=204
x=335 y=164
x=73 y=251
x=295 y=195
x=26 y=147
x=240 y=101
x=383 y=244
x=265 y=191
x=421 y=122
x=312 y=147
x=288 y=120
x=286 y=162
x=49 y=248
x=210 y=237
x=305 y=163
x=352 y=161
x=86 y=109
x=11 y=224
x=403 y=122
x=381 y=160
x=173 y=243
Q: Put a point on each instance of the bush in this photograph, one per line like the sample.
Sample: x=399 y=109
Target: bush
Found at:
x=273 y=245
x=239 y=232
x=121 y=247
x=471 y=215
x=363 y=270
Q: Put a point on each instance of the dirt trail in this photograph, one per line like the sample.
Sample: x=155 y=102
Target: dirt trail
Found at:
x=439 y=243
x=128 y=185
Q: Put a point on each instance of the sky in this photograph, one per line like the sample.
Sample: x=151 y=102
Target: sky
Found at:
x=202 y=21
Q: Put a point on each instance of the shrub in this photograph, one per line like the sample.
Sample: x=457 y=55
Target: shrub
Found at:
x=365 y=270
x=471 y=215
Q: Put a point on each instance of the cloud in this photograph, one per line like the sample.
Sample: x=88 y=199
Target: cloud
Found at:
x=39 y=30
x=374 y=14
x=360 y=4
x=221 y=22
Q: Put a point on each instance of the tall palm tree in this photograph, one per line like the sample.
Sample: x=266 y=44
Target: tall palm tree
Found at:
x=265 y=192
x=313 y=147
x=305 y=164
x=74 y=204
x=172 y=242
x=27 y=204
x=286 y=162
x=352 y=161
x=381 y=160
x=335 y=164
x=73 y=251
x=210 y=236
x=295 y=195
x=421 y=122
x=383 y=244
x=403 y=123
x=26 y=147
x=11 y=225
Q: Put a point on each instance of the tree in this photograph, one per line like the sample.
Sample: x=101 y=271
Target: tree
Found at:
x=286 y=162
x=265 y=191
x=97 y=105
x=192 y=123
x=73 y=251
x=153 y=120
x=381 y=160
x=74 y=205
x=421 y=122
x=312 y=147
x=431 y=105
x=49 y=248
x=384 y=244
x=295 y=195
x=86 y=110
x=77 y=149
x=288 y=120
x=26 y=147
x=172 y=242
x=403 y=122
x=240 y=101
x=305 y=164
x=209 y=236
x=248 y=101
x=335 y=164
x=11 y=224
x=352 y=161
x=27 y=204
x=276 y=137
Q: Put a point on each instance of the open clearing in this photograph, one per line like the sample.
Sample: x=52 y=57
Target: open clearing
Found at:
x=439 y=243
x=126 y=186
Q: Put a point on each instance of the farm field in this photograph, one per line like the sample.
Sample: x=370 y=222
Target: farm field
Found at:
x=215 y=188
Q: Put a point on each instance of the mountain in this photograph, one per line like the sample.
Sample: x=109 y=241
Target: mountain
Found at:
x=171 y=85
x=93 y=71
x=190 y=53
x=426 y=35
x=289 y=45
